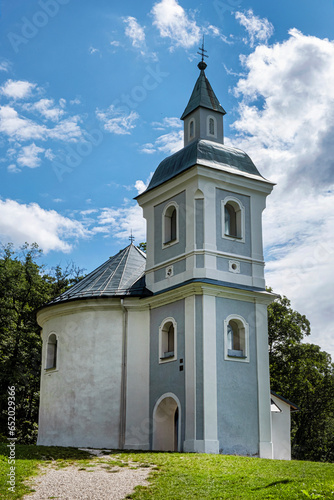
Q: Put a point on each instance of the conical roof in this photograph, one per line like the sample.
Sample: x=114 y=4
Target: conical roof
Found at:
x=204 y=96
x=122 y=275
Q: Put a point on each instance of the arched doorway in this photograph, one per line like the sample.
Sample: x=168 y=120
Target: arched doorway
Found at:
x=166 y=424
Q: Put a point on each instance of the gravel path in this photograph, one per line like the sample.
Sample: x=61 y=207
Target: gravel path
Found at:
x=98 y=481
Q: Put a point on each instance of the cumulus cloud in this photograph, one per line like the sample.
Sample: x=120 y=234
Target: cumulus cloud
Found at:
x=173 y=22
x=167 y=143
x=135 y=32
x=141 y=185
x=119 y=222
x=167 y=122
x=20 y=223
x=27 y=119
x=259 y=30
x=29 y=156
x=20 y=128
x=47 y=108
x=286 y=124
x=117 y=122
x=17 y=89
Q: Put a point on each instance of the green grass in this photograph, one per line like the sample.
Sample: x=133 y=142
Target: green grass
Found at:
x=177 y=476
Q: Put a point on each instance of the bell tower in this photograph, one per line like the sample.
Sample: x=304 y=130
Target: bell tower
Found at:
x=205 y=267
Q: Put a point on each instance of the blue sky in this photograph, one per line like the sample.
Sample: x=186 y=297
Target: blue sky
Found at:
x=90 y=99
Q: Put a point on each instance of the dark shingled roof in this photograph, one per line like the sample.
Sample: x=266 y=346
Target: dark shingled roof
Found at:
x=204 y=96
x=121 y=276
x=206 y=153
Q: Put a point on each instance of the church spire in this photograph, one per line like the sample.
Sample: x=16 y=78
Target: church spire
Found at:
x=203 y=94
x=203 y=116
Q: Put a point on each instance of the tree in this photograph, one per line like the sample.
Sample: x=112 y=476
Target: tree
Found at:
x=142 y=246
x=24 y=287
x=304 y=374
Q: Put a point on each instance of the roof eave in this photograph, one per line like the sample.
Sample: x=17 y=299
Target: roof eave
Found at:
x=191 y=110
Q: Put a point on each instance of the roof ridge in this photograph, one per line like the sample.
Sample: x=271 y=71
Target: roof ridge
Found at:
x=117 y=267
x=121 y=278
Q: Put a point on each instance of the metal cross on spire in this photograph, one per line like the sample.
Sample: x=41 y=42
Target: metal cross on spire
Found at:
x=131 y=238
x=202 y=65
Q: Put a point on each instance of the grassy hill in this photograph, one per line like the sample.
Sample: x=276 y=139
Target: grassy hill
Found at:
x=188 y=476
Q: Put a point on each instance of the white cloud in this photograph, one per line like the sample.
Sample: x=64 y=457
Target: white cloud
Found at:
x=115 y=43
x=215 y=31
x=168 y=122
x=119 y=222
x=141 y=185
x=173 y=22
x=15 y=127
x=4 y=66
x=29 y=156
x=93 y=50
x=167 y=143
x=17 y=89
x=135 y=32
x=20 y=223
x=259 y=30
x=115 y=121
x=75 y=101
x=49 y=154
x=289 y=136
x=13 y=169
x=47 y=108
x=21 y=128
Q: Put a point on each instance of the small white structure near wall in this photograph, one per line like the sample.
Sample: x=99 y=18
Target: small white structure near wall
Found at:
x=281 y=410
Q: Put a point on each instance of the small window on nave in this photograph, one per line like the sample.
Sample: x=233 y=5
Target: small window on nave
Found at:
x=51 y=352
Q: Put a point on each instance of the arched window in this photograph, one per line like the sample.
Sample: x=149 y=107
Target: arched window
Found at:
x=51 y=353
x=191 y=129
x=211 y=126
x=233 y=219
x=236 y=338
x=170 y=224
x=167 y=340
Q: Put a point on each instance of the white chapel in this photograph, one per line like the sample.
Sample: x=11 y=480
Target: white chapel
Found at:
x=168 y=350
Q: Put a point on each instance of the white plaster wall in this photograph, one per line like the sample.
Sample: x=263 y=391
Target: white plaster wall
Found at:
x=138 y=424
x=263 y=380
x=80 y=400
x=281 y=425
x=211 y=443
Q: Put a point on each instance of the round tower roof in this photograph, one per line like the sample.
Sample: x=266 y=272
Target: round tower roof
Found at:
x=208 y=154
